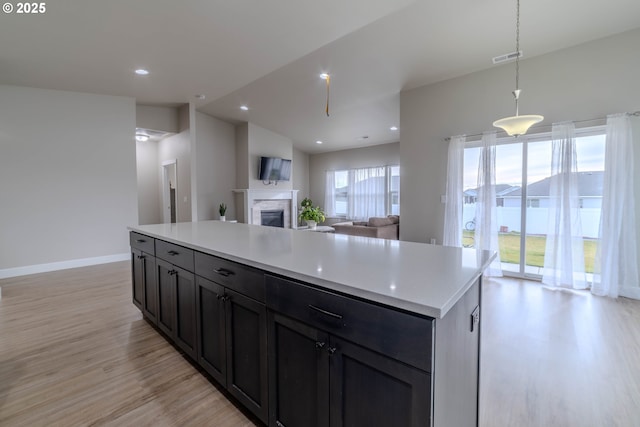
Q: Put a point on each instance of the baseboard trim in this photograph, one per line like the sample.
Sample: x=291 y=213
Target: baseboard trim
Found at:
x=62 y=265
x=630 y=292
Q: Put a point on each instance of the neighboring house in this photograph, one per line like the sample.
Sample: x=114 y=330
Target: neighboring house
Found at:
x=509 y=202
x=471 y=195
x=589 y=192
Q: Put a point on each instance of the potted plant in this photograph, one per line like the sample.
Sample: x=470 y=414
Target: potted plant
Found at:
x=311 y=215
x=223 y=210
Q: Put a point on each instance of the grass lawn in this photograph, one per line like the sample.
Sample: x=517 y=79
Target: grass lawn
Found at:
x=535 y=245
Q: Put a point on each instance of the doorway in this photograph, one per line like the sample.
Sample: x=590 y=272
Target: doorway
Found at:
x=523 y=176
x=169 y=191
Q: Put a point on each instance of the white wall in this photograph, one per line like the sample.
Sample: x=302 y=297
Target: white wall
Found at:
x=242 y=156
x=157 y=118
x=377 y=155
x=149 y=199
x=263 y=142
x=68 y=173
x=579 y=83
x=300 y=178
x=178 y=147
x=215 y=166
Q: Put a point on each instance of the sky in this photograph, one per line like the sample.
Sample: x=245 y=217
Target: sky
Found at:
x=589 y=152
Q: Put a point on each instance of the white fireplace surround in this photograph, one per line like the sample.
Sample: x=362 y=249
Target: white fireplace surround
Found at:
x=258 y=200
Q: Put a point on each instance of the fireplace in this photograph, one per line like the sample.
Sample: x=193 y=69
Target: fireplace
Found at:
x=272 y=218
x=251 y=202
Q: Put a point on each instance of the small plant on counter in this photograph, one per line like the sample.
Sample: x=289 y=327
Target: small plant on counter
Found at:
x=309 y=213
x=223 y=210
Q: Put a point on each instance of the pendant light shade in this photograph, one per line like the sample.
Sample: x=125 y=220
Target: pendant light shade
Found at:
x=517 y=125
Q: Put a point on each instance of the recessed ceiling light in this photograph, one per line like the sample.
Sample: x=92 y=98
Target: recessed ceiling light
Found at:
x=244 y=108
x=142 y=137
x=324 y=76
x=142 y=72
x=393 y=128
x=318 y=142
x=200 y=96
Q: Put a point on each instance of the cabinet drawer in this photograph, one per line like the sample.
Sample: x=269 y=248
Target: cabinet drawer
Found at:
x=175 y=254
x=142 y=242
x=245 y=280
x=399 y=335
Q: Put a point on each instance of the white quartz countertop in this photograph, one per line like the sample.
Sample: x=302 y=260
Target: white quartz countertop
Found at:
x=419 y=278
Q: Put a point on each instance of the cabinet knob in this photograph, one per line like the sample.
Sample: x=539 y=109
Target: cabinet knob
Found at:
x=140 y=256
x=331 y=350
x=319 y=344
x=172 y=272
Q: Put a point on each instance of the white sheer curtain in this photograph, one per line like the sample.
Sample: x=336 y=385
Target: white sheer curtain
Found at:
x=564 y=251
x=453 y=208
x=486 y=233
x=616 y=265
x=366 y=193
x=330 y=194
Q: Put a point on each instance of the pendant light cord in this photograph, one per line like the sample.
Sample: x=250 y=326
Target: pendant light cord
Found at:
x=328 y=84
x=518 y=45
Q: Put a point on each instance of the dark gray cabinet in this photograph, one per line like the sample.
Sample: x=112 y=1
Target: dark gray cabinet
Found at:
x=296 y=354
x=177 y=295
x=247 y=352
x=232 y=329
x=369 y=389
x=298 y=373
x=143 y=275
x=211 y=329
x=317 y=378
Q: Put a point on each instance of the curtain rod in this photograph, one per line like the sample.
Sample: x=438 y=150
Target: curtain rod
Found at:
x=635 y=113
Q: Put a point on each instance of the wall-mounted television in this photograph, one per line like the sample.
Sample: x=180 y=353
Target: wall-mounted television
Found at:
x=274 y=169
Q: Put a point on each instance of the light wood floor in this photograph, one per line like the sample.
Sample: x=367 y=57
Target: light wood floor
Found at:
x=75 y=351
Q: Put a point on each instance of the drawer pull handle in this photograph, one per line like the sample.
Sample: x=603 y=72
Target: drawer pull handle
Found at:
x=140 y=256
x=172 y=272
x=173 y=253
x=140 y=240
x=328 y=313
x=224 y=272
x=331 y=350
x=319 y=344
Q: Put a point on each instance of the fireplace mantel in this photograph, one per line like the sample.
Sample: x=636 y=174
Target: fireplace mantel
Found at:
x=251 y=197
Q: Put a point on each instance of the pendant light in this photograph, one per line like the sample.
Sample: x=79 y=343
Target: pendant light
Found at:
x=517 y=125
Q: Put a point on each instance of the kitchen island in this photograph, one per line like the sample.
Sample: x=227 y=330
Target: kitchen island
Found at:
x=318 y=329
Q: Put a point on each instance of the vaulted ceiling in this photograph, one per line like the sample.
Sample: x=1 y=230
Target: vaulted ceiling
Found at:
x=268 y=55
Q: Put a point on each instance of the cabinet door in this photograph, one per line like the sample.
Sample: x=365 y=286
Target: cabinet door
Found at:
x=150 y=288
x=211 y=329
x=137 y=277
x=185 y=311
x=166 y=297
x=298 y=373
x=369 y=389
x=247 y=352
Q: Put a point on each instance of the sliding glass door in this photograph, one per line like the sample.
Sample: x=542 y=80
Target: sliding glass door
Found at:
x=523 y=169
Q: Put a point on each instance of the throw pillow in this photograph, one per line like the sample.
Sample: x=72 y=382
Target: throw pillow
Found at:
x=379 y=222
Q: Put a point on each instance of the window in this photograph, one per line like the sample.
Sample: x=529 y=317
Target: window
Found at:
x=522 y=188
x=364 y=193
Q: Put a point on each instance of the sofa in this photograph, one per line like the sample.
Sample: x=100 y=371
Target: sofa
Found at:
x=380 y=227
